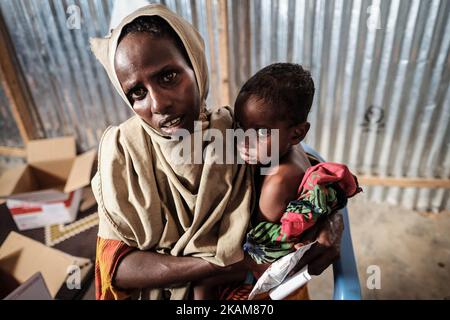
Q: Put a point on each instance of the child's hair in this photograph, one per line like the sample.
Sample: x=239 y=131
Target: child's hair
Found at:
x=156 y=27
x=285 y=87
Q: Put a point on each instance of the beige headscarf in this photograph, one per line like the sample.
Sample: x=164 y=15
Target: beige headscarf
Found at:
x=147 y=201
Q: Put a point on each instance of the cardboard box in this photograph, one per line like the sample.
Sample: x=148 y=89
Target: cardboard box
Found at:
x=21 y=258
x=33 y=289
x=46 y=190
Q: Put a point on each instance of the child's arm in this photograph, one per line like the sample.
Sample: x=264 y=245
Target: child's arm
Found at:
x=276 y=193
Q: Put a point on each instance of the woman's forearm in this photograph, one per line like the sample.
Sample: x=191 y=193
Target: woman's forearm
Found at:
x=145 y=269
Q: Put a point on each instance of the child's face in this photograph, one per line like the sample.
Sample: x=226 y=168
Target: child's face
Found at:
x=254 y=114
x=158 y=82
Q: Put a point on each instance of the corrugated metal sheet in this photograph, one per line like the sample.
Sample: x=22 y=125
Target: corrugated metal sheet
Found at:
x=382 y=102
x=70 y=89
x=9 y=133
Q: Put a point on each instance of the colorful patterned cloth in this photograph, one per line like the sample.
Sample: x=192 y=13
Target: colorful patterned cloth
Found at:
x=109 y=253
x=324 y=189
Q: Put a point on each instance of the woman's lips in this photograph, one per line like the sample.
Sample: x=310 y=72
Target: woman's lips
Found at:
x=172 y=125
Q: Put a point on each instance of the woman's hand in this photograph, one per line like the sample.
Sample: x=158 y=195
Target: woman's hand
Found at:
x=236 y=272
x=326 y=250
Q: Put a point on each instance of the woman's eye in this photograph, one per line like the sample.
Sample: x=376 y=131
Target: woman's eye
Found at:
x=263 y=132
x=138 y=94
x=169 y=77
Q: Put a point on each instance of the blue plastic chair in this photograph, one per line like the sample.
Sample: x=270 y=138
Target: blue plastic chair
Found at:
x=345 y=272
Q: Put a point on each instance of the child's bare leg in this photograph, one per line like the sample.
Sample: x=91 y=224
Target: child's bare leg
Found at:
x=205 y=292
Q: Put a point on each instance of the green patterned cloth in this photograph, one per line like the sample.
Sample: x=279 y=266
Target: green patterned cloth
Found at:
x=324 y=189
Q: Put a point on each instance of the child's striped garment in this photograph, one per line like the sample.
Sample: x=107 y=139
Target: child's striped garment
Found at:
x=324 y=189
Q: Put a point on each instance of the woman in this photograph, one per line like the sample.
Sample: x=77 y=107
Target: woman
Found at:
x=199 y=213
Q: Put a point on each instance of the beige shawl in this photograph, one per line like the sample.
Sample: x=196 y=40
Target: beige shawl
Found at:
x=147 y=201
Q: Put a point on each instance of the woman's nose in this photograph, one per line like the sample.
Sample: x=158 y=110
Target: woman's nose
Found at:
x=159 y=102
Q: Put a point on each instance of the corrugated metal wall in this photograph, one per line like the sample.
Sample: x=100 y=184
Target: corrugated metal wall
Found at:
x=382 y=103
x=9 y=133
x=70 y=89
x=383 y=97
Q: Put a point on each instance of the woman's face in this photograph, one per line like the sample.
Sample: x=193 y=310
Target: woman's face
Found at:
x=158 y=82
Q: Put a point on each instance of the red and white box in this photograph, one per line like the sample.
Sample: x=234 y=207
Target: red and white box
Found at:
x=30 y=215
x=47 y=189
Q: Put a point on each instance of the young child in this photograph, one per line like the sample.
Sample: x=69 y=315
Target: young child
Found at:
x=297 y=194
x=294 y=194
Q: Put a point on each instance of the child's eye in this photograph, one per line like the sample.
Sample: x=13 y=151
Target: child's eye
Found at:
x=169 y=77
x=138 y=94
x=263 y=132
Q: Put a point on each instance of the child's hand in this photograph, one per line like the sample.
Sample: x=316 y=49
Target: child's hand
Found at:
x=255 y=268
x=301 y=244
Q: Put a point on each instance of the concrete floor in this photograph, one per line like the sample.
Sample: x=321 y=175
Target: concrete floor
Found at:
x=411 y=249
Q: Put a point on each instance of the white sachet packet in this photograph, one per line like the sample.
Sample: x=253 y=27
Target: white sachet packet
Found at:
x=278 y=271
